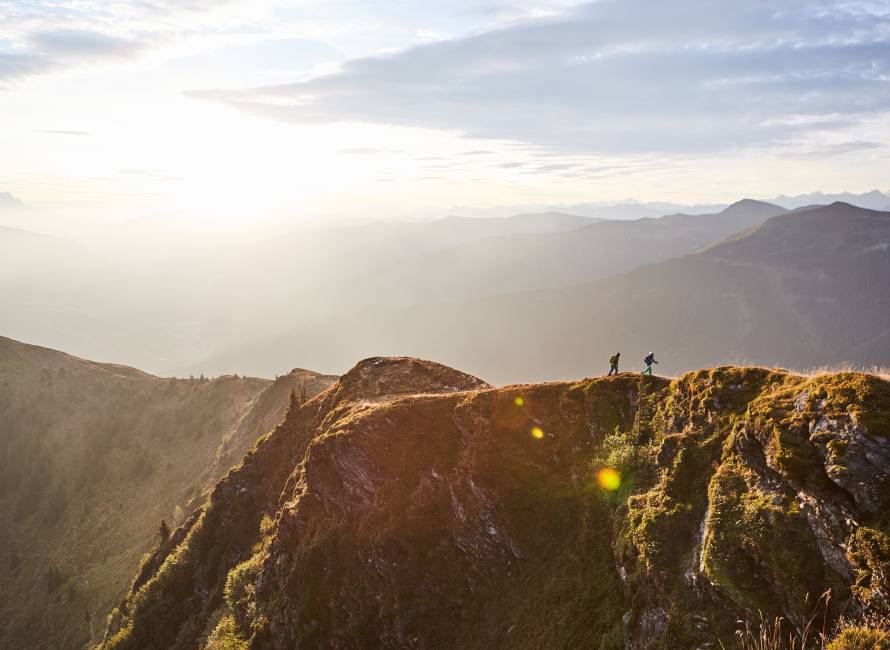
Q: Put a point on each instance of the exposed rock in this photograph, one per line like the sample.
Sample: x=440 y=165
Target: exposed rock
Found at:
x=399 y=509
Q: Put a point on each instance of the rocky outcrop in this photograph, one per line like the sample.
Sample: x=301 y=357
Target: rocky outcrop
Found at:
x=413 y=506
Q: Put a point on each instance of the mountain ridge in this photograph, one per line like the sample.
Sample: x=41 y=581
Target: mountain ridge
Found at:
x=448 y=517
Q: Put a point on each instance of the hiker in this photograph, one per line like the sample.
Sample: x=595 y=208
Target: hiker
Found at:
x=649 y=360
x=613 y=363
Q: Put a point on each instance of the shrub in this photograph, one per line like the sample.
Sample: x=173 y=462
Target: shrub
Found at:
x=239 y=583
x=632 y=461
x=619 y=451
x=225 y=636
x=860 y=637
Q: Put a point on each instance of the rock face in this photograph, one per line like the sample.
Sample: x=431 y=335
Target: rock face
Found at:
x=413 y=506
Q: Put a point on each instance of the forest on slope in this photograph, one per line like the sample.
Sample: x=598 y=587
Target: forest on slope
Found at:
x=92 y=458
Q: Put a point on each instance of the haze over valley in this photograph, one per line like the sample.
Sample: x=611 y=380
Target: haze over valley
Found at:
x=467 y=290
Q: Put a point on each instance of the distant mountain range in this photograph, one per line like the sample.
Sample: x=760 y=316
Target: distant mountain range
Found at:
x=632 y=209
x=874 y=200
x=804 y=289
x=331 y=295
x=508 y=263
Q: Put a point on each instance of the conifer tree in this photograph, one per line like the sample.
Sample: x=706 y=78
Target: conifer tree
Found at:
x=164 y=530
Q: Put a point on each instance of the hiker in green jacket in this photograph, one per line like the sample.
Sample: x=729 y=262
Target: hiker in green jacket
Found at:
x=613 y=363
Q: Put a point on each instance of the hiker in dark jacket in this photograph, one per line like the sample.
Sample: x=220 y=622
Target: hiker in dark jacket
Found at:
x=649 y=360
x=613 y=363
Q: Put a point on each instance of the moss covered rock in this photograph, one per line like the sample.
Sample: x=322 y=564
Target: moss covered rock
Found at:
x=412 y=506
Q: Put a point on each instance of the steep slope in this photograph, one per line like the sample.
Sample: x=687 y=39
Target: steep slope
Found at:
x=805 y=289
x=92 y=457
x=412 y=506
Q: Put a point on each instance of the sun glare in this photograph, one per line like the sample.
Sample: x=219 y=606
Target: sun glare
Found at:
x=608 y=479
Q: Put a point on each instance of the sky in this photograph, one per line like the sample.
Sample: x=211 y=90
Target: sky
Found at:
x=231 y=112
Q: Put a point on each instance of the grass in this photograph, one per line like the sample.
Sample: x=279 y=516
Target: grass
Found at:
x=882 y=372
x=775 y=635
x=870 y=634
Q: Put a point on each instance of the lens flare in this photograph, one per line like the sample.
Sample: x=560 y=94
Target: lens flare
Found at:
x=519 y=401
x=537 y=432
x=609 y=479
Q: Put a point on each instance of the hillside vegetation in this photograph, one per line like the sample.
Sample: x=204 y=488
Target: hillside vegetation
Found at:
x=413 y=506
x=92 y=458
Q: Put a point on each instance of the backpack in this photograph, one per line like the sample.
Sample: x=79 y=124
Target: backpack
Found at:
x=649 y=359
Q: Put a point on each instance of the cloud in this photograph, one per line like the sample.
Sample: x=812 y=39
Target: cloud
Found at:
x=18 y=66
x=366 y=151
x=41 y=36
x=49 y=50
x=63 y=132
x=149 y=173
x=620 y=76
x=81 y=44
x=836 y=149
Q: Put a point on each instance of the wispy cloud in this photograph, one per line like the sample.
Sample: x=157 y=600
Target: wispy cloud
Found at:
x=621 y=77
x=17 y=66
x=43 y=36
x=366 y=151
x=836 y=149
x=149 y=173
x=83 y=44
x=64 y=132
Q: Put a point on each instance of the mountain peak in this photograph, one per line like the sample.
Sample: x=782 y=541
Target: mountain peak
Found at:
x=380 y=377
x=7 y=200
x=749 y=205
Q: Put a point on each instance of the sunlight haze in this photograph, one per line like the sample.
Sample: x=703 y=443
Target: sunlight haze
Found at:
x=243 y=112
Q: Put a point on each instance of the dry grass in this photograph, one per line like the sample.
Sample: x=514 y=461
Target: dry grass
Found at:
x=868 y=632
x=777 y=634
x=878 y=371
